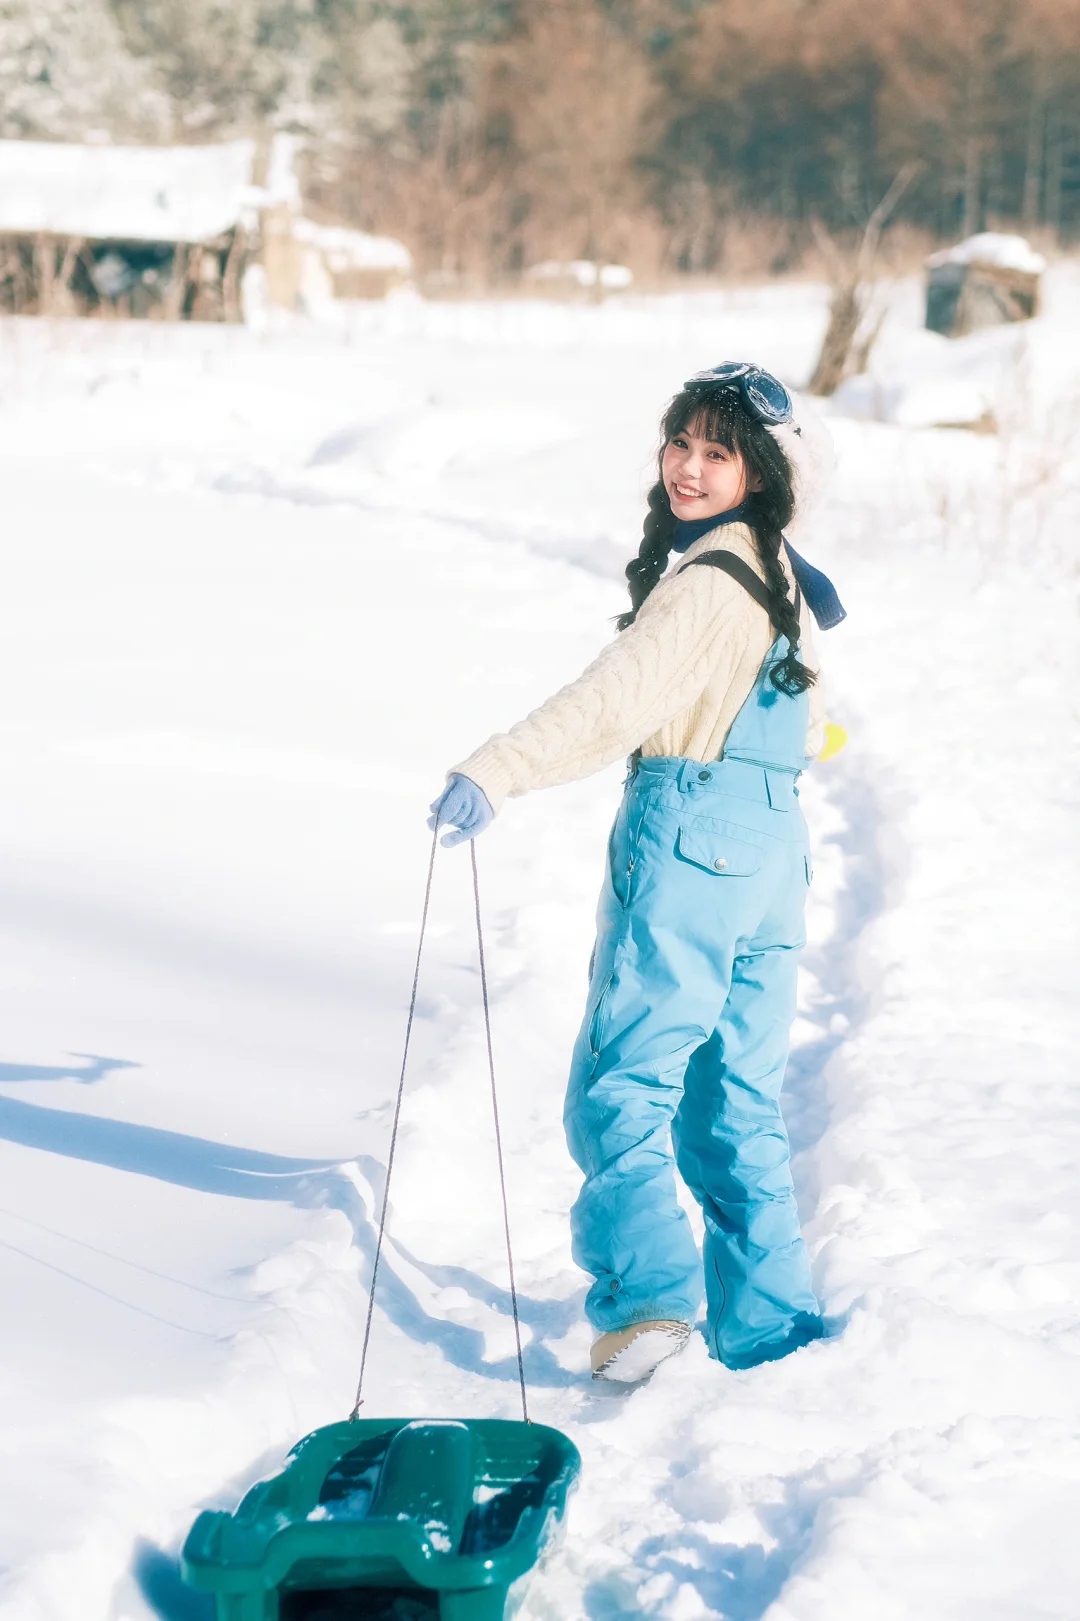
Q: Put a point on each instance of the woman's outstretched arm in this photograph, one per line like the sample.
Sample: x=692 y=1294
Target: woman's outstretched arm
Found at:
x=692 y=627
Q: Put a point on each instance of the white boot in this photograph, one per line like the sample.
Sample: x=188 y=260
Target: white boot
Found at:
x=627 y=1355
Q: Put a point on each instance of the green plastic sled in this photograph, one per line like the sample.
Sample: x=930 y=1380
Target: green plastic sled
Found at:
x=389 y=1517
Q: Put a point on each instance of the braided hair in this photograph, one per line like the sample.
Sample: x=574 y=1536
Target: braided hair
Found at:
x=717 y=412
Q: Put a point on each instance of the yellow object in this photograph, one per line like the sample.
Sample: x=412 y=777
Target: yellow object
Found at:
x=835 y=738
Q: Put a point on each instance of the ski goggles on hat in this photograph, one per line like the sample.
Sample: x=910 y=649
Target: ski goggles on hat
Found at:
x=765 y=396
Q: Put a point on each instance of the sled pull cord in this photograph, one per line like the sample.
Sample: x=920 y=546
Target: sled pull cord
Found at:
x=394 y=1129
x=357 y=1404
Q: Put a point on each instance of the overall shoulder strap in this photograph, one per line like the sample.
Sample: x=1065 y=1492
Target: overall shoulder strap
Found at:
x=739 y=570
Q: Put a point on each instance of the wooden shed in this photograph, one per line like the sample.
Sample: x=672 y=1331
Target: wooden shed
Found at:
x=201 y=233
x=137 y=231
x=989 y=280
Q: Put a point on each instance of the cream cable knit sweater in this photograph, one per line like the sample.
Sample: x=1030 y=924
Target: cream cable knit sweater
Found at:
x=671 y=684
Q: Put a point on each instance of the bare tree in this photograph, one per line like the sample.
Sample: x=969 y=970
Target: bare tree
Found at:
x=852 y=287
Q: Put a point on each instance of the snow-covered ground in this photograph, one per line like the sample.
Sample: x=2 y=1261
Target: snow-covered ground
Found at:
x=258 y=591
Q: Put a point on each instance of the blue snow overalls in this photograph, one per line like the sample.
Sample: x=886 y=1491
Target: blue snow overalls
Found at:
x=685 y=1041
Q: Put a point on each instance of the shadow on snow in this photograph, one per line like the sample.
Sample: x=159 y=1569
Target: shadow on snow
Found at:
x=246 y=1173
x=843 y=997
x=95 y=1068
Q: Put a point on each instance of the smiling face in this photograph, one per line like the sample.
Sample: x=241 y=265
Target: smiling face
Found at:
x=703 y=477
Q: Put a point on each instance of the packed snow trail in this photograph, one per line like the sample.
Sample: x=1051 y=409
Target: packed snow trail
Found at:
x=227 y=712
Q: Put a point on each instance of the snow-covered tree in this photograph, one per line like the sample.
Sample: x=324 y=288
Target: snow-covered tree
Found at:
x=65 y=73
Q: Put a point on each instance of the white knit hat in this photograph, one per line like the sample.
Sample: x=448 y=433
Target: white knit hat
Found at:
x=808 y=446
x=804 y=439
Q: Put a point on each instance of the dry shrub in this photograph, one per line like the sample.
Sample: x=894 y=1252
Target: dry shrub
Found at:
x=540 y=162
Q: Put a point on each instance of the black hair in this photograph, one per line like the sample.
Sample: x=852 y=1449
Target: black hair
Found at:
x=718 y=413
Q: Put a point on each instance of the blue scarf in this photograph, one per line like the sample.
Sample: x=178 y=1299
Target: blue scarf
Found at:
x=687 y=530
x=816 y=587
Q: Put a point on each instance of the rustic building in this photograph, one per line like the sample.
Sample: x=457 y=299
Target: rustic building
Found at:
x=143 y=231
x=173 y=233
x=988 y=280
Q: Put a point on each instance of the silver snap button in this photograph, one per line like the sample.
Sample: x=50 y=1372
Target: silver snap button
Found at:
x=719 y=863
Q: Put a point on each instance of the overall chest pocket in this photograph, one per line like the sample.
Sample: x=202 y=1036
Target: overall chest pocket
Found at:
x=718 y=848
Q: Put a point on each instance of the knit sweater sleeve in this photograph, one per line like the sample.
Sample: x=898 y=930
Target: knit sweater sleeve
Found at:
x=693 y=627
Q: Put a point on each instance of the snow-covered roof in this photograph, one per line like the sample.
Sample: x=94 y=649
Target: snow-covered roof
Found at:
x=992 y=248
x=346 y=249
x=128 y=193
x=583 y=271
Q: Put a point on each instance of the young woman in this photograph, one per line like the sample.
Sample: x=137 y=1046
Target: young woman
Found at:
x=712 y=690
